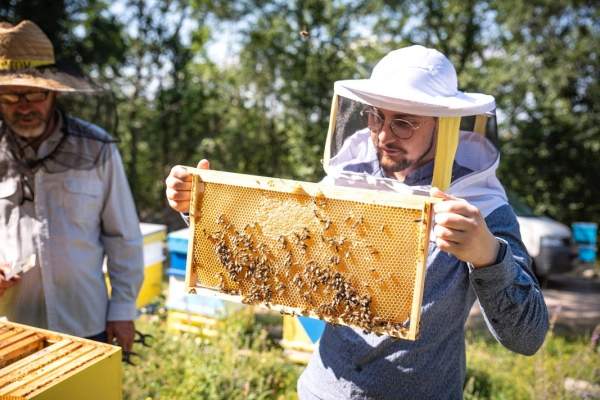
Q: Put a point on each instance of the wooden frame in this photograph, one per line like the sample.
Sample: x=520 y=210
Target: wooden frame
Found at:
x=420 y=205
x=40 y=364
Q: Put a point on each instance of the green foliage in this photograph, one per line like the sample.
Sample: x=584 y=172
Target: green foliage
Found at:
x=550 y=97
x=495 y=373
x=264 y=109
x=239 y=363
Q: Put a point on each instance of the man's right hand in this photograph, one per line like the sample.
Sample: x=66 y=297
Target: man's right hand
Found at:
x=6 y=283
x=179 y=186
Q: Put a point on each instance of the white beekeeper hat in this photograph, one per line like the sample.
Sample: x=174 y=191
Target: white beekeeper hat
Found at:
x=415 y=80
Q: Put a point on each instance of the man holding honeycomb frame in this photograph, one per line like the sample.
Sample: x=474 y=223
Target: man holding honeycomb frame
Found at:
x=408 y=129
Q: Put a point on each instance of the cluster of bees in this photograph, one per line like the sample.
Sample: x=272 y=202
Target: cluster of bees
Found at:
x=259 y=276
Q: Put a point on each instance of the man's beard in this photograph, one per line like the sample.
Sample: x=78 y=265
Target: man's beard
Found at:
x=27 y=132
x=389 y=165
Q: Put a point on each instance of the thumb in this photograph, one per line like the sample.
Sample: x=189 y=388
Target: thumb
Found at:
x=435 y=192
x=204 y=164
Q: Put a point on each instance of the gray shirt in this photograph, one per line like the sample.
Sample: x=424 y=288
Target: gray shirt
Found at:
x=70 y=216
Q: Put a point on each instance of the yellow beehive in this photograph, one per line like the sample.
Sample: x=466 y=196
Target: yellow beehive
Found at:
x=346 y=255
x=154 y=244
x=45 y=365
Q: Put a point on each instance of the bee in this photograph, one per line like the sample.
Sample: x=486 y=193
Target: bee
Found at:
x=222 y=286
x=358 y=222
x=372 y=250
x=280 y=288
x=382 y=228
x=320 y=200
x=282 y=242
x=303 y=247
x=304 y=34
x=305 y=235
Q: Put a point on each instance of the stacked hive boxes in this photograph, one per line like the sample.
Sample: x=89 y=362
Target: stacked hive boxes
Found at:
x=585 y=234
x=190 y=313
x=41 y=364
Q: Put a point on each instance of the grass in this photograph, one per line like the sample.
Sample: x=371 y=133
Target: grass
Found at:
x=496 y=373
x=242 y=362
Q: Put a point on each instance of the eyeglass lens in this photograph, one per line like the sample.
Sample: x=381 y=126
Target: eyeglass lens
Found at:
x=31 y=97
x=401 y=128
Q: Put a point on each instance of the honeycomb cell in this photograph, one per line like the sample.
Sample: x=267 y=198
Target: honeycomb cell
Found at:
x=349 y=256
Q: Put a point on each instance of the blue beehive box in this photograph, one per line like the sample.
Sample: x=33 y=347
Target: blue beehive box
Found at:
x=587 y=253
x=314 y=327
x=177 y=245
x=585 y=232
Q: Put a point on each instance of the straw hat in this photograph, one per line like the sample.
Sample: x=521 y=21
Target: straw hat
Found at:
x=27 y=58
x=416 y=80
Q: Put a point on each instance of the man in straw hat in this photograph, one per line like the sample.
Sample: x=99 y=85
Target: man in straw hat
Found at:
x=65 y=203
x=399 y=130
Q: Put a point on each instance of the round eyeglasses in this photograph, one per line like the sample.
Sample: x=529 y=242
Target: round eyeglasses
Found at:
x=401 y=128
x=30 y=97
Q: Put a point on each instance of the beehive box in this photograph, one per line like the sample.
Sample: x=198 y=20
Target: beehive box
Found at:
x=40 y=364
x=346 y=255
x=154 y=248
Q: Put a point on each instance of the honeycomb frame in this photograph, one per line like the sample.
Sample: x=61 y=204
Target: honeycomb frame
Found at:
x=301 y=248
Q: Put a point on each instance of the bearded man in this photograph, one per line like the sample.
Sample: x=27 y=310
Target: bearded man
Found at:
x=65 y=203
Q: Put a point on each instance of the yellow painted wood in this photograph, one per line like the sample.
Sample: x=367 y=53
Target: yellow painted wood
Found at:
x=480 y=123
x=197 y=324
x=415 y=321
x=67 y=368
x=301 y=188
x=330 y=131
x=48 y=374
x=26 y=365
x=102 y=380
x=152 y=284
x=294 y=335
x=445 y=151
x=155 y=237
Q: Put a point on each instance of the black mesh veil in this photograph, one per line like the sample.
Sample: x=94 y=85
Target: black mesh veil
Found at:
x=79 y=145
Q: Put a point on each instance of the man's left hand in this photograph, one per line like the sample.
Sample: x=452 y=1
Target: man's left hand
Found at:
x=122 y=331
x=460 y=230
